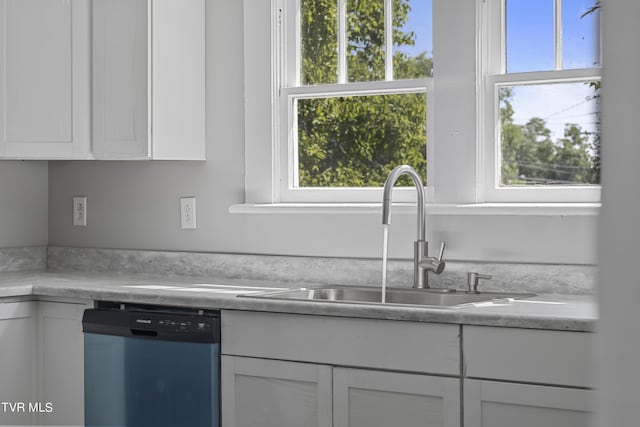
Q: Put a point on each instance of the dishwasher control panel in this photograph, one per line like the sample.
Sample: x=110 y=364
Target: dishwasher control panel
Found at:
x=153 y=322
x=172 y=323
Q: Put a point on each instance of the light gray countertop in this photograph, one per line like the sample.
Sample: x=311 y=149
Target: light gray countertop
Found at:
x=545 y=311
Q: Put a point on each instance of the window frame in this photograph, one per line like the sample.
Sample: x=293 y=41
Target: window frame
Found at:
x=492 y=70
x=287 y=81
x=456 y=147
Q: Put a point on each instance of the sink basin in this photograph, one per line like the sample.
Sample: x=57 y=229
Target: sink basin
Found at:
x=444 y=298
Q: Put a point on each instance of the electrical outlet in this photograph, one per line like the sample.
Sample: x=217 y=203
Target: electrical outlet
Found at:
x=80 y=211
x=187 y=212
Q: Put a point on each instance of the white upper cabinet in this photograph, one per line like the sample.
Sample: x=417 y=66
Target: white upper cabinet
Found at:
x=102 y=79
x=44 y=79
x=148 y=79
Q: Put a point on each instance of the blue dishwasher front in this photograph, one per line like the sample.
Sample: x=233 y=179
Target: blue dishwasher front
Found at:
x=149 y=366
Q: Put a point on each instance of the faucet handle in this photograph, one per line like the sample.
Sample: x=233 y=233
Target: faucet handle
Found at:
x=473 y=280
x=433 y=264
x=440 y=264
x=442 y=246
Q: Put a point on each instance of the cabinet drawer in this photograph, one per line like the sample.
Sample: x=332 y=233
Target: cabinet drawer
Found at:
x=529 y=355
x=383 y=344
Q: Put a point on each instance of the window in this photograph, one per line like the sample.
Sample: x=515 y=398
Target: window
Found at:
x=337 y=92
x=541 y=102
x=355 y=78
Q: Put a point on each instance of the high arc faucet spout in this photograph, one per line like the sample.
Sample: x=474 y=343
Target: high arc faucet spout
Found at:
x=393 y=177
x=422 y=263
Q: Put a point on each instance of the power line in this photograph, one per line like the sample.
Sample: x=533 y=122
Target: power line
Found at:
x=588 y=98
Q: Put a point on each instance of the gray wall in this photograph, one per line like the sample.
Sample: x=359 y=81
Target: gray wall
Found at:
x=619 y=338
x=135 y=205
x=23 y=203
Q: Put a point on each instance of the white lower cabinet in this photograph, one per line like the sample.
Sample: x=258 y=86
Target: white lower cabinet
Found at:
x=500 y=404
x=375 y=373
x=273 y=393
x=17 y=362
x=368 y=398
x=41 y=363
x=269 y=393
x=289 y=370
x=60 y=363
x=527 y=377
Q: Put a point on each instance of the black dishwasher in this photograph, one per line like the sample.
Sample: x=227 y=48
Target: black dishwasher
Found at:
x=151 y=366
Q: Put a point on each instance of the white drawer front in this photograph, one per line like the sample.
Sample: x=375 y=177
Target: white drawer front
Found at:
x=529 y=355
x=383 y=344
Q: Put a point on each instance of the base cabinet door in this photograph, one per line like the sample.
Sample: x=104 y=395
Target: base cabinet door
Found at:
x=269 y=393
x=17 y=363
x=60 y=363
x=366 y=398
x=498 y=404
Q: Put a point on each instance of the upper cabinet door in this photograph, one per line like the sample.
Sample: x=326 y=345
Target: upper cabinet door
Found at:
x=149 y=79
x=121 y=124
x=44 y=79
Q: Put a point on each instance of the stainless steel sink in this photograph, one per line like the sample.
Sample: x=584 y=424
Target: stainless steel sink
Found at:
x=443 y=298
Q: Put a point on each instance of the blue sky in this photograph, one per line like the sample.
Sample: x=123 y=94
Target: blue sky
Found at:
x=530 y=47
x=419 y=21
x=530 y=35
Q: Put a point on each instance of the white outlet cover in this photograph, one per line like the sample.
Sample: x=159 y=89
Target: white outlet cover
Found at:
x=187 y=213
x=80 y=211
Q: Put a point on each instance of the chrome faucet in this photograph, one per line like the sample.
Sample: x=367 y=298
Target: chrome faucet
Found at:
x=422 y=263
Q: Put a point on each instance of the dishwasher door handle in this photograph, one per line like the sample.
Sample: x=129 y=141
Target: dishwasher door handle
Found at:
x=144 y=333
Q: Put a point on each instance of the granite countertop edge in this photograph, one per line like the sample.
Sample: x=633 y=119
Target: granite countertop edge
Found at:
x=545 y=311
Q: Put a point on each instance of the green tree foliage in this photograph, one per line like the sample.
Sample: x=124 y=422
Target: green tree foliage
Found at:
x=530 y=157
x=595 y=144
x=319 y=32
x=355 y=141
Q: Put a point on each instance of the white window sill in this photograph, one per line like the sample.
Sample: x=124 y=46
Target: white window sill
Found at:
x=526 y=209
